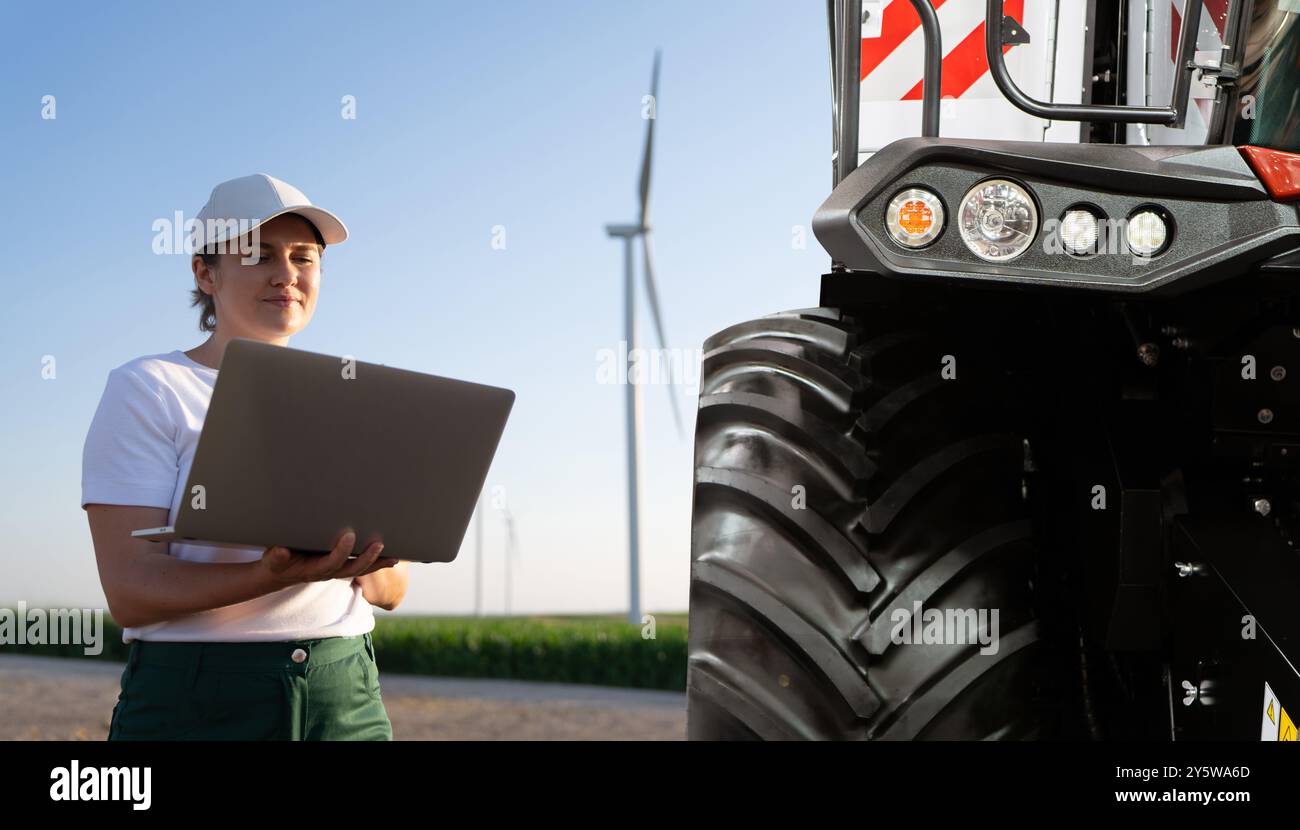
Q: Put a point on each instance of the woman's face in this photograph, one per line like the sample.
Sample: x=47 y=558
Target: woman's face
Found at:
x=251 y=296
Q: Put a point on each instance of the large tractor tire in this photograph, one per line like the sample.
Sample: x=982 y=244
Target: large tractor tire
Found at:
x=840 y=476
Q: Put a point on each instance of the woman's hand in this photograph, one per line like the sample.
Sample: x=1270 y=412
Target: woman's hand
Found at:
x=385 y=589
x=288 y=568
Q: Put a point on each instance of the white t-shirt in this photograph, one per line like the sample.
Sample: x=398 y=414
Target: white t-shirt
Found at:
x=139 y=451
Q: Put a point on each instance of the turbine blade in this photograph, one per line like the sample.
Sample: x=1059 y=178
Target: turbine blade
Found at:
x=648 y=255
x=647 y=156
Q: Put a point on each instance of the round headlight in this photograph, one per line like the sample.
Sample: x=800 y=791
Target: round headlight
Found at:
x=1079 y=231
x=998 y=220
x=1146 y=233
x=914 y=218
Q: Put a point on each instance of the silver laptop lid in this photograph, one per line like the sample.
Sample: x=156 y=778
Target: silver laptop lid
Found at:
x=298 y=445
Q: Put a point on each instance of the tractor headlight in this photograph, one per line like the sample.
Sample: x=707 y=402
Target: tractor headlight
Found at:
x=914 y=218
x=1079 y=231
x=1146 y=233
x=998 y=220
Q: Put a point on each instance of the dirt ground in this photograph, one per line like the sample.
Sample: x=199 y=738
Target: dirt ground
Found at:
x=44 y=698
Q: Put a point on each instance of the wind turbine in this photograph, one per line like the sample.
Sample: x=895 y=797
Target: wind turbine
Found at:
x=628 y=233
x=478 y=557
x=511 y=550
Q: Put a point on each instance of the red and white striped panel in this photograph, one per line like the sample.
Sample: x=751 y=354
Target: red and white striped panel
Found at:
x=1049 y=67
x=893 y=61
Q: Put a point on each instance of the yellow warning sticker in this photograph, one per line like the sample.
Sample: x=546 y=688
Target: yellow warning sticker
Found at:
x=1276 y=724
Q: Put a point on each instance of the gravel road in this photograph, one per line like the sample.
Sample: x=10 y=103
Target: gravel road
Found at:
x=50 y=698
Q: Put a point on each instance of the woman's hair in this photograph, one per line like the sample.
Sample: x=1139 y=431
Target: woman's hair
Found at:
x=211 y=258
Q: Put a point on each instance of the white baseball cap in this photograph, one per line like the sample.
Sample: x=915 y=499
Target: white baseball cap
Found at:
x=249 y=201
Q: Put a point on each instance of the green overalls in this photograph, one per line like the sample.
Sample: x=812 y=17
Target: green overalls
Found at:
x=303 y=690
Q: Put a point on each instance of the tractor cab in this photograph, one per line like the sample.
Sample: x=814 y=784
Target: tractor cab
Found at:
x=1054 y=372
x=1117 y=151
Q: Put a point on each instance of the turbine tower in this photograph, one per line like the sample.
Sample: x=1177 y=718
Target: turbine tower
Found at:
x=629 y=233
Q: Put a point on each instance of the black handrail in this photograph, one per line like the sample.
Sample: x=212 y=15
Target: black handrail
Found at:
x=933 y=67
x=848 y=17
x=846 y=84
x=1173 y=115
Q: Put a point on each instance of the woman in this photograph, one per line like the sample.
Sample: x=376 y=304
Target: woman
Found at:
x=229 y=643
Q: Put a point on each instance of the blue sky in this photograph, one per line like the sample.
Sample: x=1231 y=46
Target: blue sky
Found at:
x=469 y=116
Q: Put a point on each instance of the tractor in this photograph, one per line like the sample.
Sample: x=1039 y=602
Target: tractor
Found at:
x=1030 y=468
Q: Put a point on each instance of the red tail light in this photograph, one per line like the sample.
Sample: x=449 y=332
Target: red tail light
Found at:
x=1278 y=170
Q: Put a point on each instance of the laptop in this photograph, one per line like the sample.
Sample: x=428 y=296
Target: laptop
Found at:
x=296 y=446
